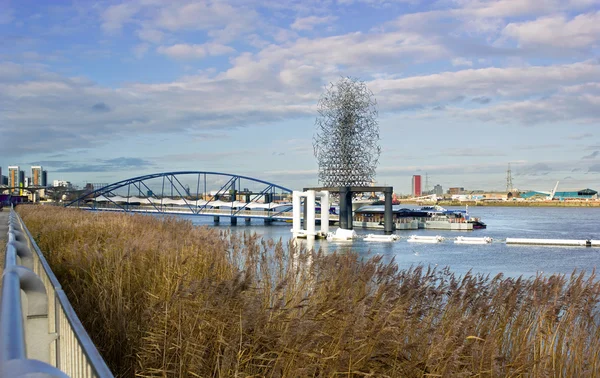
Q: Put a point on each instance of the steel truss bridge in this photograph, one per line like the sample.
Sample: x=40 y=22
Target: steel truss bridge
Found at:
x=201 y=193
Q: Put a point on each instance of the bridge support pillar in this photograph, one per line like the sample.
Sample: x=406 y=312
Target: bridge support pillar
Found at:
x=234 y=221
x=248 y=220
x=304 y=214
x=346 y=221
x=388 y=222
x=324 y=195
x=216 y=219
x=268 y=222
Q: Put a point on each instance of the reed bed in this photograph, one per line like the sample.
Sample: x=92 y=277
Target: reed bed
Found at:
x=162 y=298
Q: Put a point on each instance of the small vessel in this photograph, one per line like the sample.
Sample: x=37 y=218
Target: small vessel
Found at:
x=426 y=239
x=477 y=223
x=382 y=238
x=468 y=240
x=341 y=235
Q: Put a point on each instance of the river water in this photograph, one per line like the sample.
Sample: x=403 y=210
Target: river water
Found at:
x=502 y=222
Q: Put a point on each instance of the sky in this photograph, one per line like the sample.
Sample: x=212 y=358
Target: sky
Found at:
x=100 y=91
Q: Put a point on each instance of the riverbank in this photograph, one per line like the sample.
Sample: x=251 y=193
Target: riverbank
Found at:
x=510 y=203
x=161 y=297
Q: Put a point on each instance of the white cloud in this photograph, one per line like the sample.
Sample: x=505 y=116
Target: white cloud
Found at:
x=506 y=83
x=115 y=16
x=308 y=23
x=557 y=31
x=150 y=35
x=202 y=16
x=183 y=51
x=461 y=62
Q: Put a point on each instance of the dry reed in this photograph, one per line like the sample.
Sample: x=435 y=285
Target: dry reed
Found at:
x=162 y=298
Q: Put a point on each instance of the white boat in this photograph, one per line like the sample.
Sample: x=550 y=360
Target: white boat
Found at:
x=468 y=240
x=341 y=235
x=382 y=238
x=426 y=239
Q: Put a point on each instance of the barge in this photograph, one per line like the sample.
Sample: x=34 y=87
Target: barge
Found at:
x=430 y=217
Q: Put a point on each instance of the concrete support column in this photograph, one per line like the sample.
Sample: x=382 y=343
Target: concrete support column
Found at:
x=248 y=220
x=324 y=211
x=344 y=208
x=216 y=219
x=234 y=221
x=310 y=205
x=388 y=222
x=349 y=213
x=304 y=212
x=296 y=218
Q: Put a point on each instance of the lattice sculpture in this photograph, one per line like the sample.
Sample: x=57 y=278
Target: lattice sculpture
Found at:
x=346 y=143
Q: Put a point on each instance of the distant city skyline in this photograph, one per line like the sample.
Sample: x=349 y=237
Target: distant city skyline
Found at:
x=103 y=91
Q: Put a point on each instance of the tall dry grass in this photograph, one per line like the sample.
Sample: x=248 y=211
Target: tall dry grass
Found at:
x=162 y=298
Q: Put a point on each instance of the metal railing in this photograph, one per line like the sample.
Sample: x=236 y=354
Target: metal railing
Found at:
x=40 y=334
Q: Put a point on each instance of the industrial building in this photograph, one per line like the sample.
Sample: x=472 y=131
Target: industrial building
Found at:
x=583 y=194
x=416 y=185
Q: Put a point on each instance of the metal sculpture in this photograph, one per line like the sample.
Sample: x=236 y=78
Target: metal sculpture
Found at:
x=346 y=144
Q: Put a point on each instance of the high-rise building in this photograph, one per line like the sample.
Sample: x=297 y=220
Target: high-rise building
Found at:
x=438 y=190
x=416 y=185
x=36 y=175
x=44 y=178
x=14 y=177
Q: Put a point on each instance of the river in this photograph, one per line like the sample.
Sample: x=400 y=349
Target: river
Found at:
x=502 y=222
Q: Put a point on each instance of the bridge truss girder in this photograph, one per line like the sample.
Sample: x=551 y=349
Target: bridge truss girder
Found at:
x=172 y=186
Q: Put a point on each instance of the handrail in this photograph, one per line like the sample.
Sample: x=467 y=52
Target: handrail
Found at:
x=46 y=338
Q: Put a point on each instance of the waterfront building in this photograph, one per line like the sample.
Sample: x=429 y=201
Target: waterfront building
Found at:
x=416 y=185
x=14 y=177
x=62 y=183
x=583 y=194
x=456 y=190
x=36 y=175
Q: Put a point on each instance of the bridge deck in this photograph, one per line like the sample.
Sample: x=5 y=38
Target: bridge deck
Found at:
x=214 y=212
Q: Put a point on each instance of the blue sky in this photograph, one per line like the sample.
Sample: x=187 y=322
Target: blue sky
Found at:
x=99 y=91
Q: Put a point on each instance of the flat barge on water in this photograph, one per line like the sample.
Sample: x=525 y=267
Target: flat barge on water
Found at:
x=430 y=217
